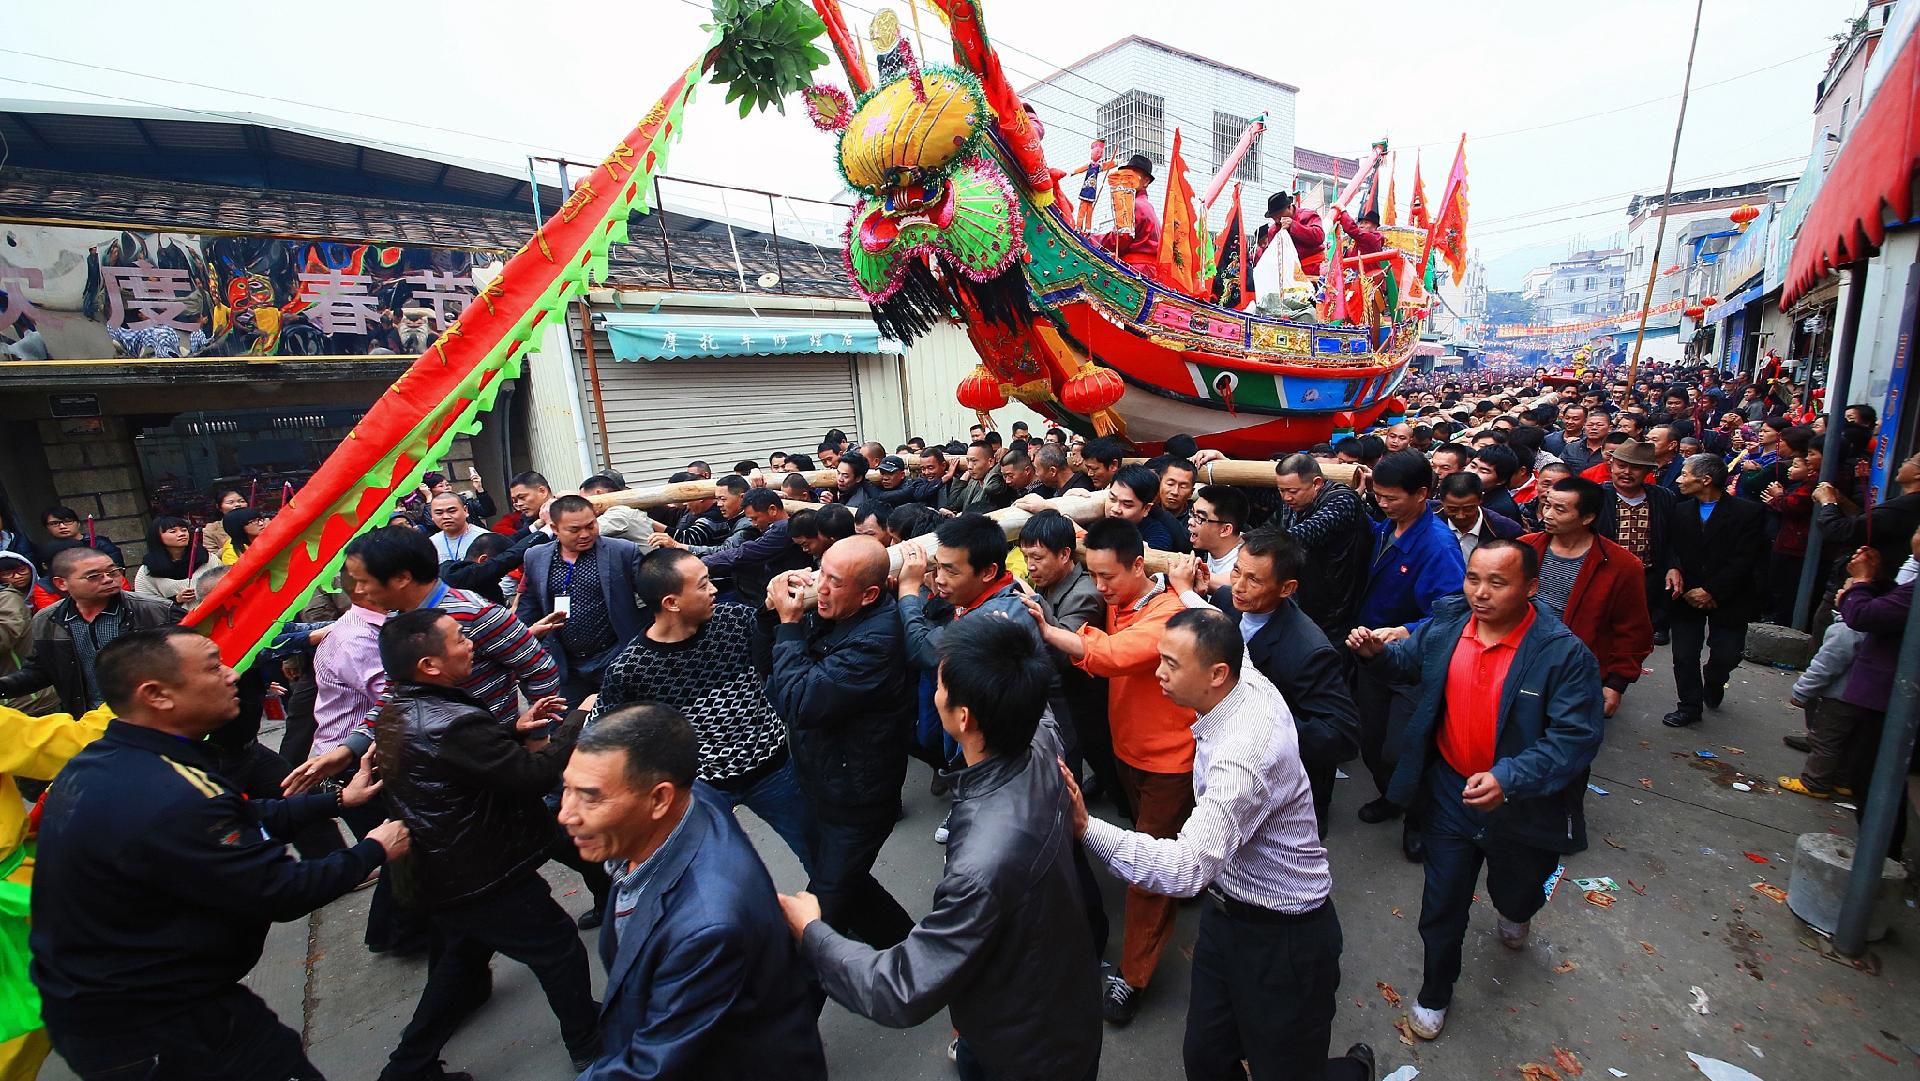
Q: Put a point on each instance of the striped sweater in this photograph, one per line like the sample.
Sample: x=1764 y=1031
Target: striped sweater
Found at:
x=505 y=654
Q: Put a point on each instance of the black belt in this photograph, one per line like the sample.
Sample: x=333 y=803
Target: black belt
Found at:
x=1241 y=910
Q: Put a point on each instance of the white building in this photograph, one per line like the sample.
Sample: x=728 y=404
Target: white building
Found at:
x=1136 y=91
x=1691 y=217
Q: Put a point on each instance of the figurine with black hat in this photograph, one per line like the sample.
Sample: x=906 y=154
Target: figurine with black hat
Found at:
x=1136 y=228
x=1303 y=225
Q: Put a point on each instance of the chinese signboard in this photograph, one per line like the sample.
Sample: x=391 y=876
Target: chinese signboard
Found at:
x=91 y=294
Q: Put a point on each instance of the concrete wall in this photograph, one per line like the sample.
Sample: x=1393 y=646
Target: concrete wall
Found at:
x=1068 y=104
x=1880 y=327
x=933 y=367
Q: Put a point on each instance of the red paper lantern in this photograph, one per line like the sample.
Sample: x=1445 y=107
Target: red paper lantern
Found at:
x=980 y=391
x=1709 y=301
x=1744 y=216
x=1093 y=392
x=1092 y=389
x=1695 y=312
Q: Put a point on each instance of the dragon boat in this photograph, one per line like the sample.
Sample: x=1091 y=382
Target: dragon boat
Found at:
x=958 y=211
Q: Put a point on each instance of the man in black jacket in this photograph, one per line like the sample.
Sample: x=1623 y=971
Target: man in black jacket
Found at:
x=1638 y=516
x=471 y=794
x=155 y=882
x=1330 y=521
x=1005 y=946
x=840 y=679
x=1290 y=651
x=1715 y=584
x=68 y=636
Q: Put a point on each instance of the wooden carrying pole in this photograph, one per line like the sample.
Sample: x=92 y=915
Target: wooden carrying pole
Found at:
x=1243 y=474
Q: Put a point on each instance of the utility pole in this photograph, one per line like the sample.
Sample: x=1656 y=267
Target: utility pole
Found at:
x=1660 y=234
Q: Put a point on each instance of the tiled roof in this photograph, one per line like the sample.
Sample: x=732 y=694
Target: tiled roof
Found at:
x=701 y=254
x=1313 y=161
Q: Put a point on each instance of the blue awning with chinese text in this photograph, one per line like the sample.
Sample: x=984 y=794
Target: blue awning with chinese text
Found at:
x=654 y=336
x=1734 y=303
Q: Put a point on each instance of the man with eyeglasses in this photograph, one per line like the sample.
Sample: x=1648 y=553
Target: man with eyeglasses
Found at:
x=68 y=636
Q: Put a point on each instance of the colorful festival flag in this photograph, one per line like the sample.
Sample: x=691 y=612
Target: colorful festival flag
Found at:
x=1230 y=265
x=412 y=425
x=1392 y=176
x=1417 y=205
x=1448 y=237
x=1179 y=244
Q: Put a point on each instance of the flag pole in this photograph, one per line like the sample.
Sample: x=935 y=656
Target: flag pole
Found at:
x=1660 y=233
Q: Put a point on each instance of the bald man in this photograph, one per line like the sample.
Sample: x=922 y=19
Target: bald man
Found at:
x=839 y=677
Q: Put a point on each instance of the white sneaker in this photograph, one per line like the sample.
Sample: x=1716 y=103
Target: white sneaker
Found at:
x=940 y=833
x=1426 y=1023
x=1512 y=935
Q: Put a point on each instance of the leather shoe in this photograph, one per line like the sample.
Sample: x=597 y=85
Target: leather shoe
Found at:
x=1363 y=1054
x=1798 y=743
x=1680 y=718
x=1661 y=638
x=1412 y=845
x=1714 y=694
x=1379 y=810
x=590 y=919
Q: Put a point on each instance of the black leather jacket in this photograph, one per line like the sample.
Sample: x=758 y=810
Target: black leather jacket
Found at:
x=849 y=698
x=1006 y=945
x=467 y=790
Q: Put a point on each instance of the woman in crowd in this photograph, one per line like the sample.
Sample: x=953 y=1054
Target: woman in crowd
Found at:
x=214 y=534
x=167 y=567
x=242 y=526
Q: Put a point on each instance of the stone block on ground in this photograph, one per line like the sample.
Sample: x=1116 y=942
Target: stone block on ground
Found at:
x=1817 y=887
x=1781 y=646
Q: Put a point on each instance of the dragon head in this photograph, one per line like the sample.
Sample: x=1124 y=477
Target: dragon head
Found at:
x=915 y=152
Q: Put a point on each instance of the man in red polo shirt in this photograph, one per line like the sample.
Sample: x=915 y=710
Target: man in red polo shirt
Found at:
x=1506 y=722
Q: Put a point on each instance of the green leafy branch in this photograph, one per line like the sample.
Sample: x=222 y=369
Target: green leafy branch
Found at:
x=764 y=50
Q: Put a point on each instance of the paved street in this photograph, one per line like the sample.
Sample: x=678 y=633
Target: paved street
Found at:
x=1611 y=986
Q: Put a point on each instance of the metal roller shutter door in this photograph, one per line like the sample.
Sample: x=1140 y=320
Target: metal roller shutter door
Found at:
x=663 y=414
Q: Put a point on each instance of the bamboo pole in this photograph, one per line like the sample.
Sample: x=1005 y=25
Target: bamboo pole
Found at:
x=1245 y=474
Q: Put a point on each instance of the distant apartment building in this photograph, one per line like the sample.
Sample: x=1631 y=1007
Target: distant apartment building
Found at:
x=1136 y=91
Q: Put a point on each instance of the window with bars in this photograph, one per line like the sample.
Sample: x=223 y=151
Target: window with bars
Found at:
x=1135 y=123
x=1227 y=130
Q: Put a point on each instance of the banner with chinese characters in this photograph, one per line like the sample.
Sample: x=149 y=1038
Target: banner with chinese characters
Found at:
x=95 y=294
x=651 y=336
x=1550 y=329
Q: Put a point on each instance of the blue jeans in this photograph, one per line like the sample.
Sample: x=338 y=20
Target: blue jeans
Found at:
x=777 y=799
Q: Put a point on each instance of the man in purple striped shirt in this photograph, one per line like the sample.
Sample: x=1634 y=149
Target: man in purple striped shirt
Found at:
x=1266 y=964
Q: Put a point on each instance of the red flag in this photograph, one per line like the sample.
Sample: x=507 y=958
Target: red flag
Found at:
x=1179 y=243
x=1448 y=236
x=1417 y=206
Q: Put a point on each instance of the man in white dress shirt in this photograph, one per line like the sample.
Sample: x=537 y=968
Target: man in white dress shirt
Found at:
x=1266 y=965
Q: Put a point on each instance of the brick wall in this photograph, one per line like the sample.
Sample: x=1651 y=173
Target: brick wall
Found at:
x=96 y=474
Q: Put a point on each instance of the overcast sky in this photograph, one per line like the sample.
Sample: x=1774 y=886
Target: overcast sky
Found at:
x=1521 y=79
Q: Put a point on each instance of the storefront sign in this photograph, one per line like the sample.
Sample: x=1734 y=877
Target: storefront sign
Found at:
x=95 y=294
x=1887 y=449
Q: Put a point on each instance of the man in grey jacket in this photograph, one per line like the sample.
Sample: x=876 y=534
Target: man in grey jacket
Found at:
x=1005 y=946
x=1047 y=543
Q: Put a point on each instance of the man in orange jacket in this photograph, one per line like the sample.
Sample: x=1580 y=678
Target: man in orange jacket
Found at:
x=1152 y=737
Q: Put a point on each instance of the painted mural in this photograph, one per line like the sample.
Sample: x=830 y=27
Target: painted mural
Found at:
x=92 y=294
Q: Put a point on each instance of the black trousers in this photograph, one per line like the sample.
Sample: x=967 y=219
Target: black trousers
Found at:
x=1863 y=750
x=258 y=771
x=296 y=740
x=1724 y=640
x=1263 y=993
x=1458 y=842
x=1657 y=600
x=851 y=900
x=521 y=920
x=1384 y=711
x=1087 y=701
x=1320 y=778
x=230 y=1036
x=391 y=927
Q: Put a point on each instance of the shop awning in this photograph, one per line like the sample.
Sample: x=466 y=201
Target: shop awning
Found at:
x=1871 y=180
x=654 y=336
x=1735 y=303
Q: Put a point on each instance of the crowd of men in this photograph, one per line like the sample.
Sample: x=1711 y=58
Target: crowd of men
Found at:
x=595 y=685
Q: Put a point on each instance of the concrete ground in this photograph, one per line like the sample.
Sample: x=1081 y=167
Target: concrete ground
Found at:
x=1612 y=989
